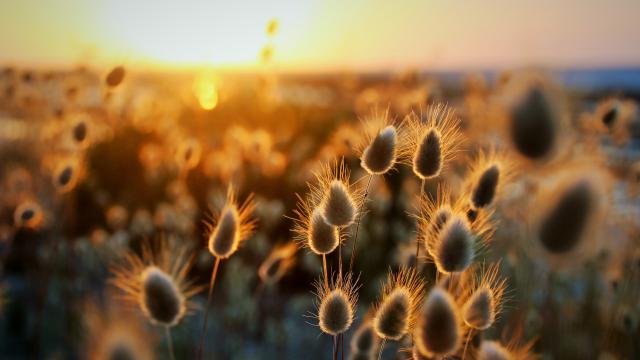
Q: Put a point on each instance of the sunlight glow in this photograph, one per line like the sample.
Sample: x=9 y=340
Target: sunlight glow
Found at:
x=205 y=88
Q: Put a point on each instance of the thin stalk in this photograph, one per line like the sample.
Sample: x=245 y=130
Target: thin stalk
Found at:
x=169 y=343
x=418 y=238
x=340 y=255
x=355 y=237
x=381 y=348
x=335 y=347
x=214 y=273
x=466 y=344
x=324 y=270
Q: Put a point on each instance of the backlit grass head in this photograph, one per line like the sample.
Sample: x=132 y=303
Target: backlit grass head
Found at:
x=312 y=231
x=494 y=350
x=336 y=304
x=188 y=154
x=276 y=265
x=535 y=118
x=483 y=298
x=115 y=76
x=28 y=214
x=232 y=226
x=432 y=141
x=364 y=339
x=156 y=281
x=379 y=149
x=66 y=175
x=438 y=328
x=488 y=174
x=452 y=241
x=116 y=334
x=332 y=196
x=401 y=297
x=337 y=196
x=568 y=215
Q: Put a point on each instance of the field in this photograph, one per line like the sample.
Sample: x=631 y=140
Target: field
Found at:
x=122 y=191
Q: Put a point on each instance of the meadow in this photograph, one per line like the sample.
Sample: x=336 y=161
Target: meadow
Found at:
x=213 y=215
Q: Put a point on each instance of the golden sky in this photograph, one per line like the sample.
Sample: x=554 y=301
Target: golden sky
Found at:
x=323 y=34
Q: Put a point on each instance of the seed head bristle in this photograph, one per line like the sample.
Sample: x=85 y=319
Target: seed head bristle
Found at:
x=336 y=304
x=438 y=327
x=401 y=297
x=156 y=282
x=432 y=143
x=233 y=226
x=483 y=298
x=379 y=149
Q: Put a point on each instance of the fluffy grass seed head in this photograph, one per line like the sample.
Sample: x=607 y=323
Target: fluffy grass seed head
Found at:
x=451 y=240
x=116 y=334
x=438 y=328
x=490 y=172
x=433 y=214
x=336 y=304
x=115 y=76
x=483 y=298
x=334 y=195
x=157 y=283
x=379 y=149
x=568 y=216
x=276 y=265
x=493 y=350
x=402 y=295
x=432 y=143
x=28 y=214
x=534 y=122
x=339 y=198
x=563 y=227
x=80 y=131
x=312 y=231
x=233 y=225
x=364 y=339
x=454 y=248
x=65 y=175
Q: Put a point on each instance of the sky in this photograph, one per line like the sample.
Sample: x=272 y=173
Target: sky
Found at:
x=323 y=35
